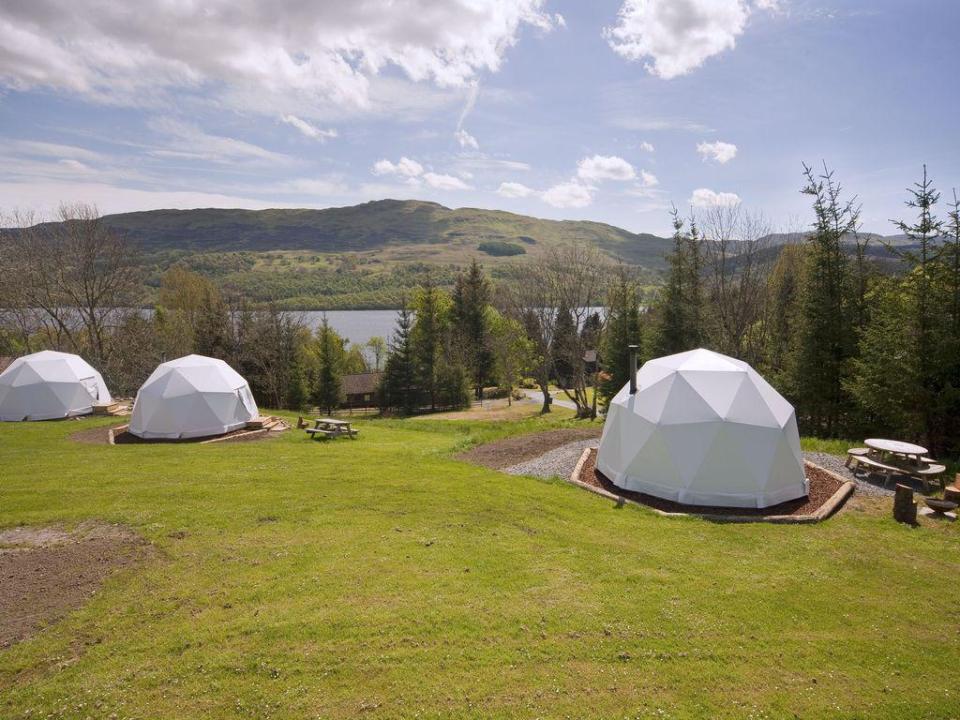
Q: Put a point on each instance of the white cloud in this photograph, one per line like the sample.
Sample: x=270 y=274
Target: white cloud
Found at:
x=466 y=140
x=414 y=174
x=514 y=190
x=35 y=148
x=315 y=52
x=645 y=146
x=571 y=194
x=674 y=37
x=75 y=165
x=43 y=197
x=648 y=179
x=771 y=5
x=188 y=142
x=311 y=131
x=439 y=181
x=705 y=198
x=405 y=167
x=719 y=151
x=605 y=167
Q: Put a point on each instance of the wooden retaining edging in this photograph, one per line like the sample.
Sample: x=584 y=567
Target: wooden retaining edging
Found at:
x=822 y=513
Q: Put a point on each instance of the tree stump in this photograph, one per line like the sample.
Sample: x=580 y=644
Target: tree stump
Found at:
x=952 y=494
x=904 y=507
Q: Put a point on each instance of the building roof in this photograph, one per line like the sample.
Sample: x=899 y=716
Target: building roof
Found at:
x=361 y=383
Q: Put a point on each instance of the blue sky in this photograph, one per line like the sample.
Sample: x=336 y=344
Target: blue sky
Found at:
x=606 y=110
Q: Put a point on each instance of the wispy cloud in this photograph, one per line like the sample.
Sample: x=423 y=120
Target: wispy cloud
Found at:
x=311 y=131
x=187 y=141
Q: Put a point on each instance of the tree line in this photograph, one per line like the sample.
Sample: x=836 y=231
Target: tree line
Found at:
x=857 y=348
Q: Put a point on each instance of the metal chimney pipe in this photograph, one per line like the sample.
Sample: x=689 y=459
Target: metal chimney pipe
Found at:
x=633 y=368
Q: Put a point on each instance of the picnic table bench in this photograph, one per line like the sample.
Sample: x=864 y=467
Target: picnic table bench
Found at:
x=891 y=457
x=330 y=428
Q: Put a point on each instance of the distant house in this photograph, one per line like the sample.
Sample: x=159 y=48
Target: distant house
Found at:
x=590 y=361
x=360 y=390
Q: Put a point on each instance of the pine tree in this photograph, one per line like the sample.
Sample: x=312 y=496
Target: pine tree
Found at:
x=562 y=347
x=825 y=340
x=909 y=340
x=623 y=330
x=681 y=304
x=398 y=390
x=471 y=298
x=328 y=390
x=783 y=292
x=427 y=335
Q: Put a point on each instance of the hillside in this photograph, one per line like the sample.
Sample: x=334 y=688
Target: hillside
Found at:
x=374 y=226
x=366 y=256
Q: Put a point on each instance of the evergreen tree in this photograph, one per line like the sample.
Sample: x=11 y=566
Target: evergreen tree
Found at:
x=297 y=394
x=906 y=375
x=825 y=340
x=427 y=337
x=564 y=332
x=330 y=355
x=623 y=330
x=783 y=292
x=471 y=298
x=453 y=383
x=681 y=304
x=398 y=390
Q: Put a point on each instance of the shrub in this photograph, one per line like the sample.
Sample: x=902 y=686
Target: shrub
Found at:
x=500 y=248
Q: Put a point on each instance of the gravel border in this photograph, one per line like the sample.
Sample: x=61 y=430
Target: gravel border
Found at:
x=558 y=462
x=561 y=461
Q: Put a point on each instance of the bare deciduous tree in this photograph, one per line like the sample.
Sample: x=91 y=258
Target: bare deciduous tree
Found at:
x=574 y=278
x=736 y=244
x=73 y=279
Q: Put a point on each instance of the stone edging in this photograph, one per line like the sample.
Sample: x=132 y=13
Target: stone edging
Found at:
x=822 y=513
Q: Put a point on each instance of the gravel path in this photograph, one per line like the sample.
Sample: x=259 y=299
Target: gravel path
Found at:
x=561 y=461
x=867 y=484
x=557 y=462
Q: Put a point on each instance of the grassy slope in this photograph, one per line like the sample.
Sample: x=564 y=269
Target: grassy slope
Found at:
x=383 y=579
x=369 y=255
x=372 y=226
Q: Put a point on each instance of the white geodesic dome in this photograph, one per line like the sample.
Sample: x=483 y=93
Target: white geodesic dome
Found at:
x=48 y=385
x=703 y=429
x=192 y=396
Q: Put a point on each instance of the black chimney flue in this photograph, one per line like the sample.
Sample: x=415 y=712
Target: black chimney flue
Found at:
x=633 y=368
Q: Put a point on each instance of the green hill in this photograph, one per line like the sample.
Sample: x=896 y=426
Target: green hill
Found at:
x=366 y=256
x=372 y=226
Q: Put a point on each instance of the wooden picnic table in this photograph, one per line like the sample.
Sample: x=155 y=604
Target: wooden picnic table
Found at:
x=897 y=447
x=889 y=457
x=332 y=428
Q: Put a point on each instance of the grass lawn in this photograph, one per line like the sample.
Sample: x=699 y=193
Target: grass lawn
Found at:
x=381 y=578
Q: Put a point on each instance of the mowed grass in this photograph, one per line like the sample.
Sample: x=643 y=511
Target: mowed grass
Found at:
x=381 y=578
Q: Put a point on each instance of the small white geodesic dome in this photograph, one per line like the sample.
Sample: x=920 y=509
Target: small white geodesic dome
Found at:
x=48 y=385
x=192 y=396
x=703 y=429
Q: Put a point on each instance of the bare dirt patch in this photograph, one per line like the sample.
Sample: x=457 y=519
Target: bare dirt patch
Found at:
x=45 y=572
x=512 y=451
x=823 y=486
x=101 y=436
x=491 y=410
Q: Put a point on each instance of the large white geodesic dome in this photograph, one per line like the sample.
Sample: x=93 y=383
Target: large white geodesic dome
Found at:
x=192 y=396
x=703 y=429
x=48 y=385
